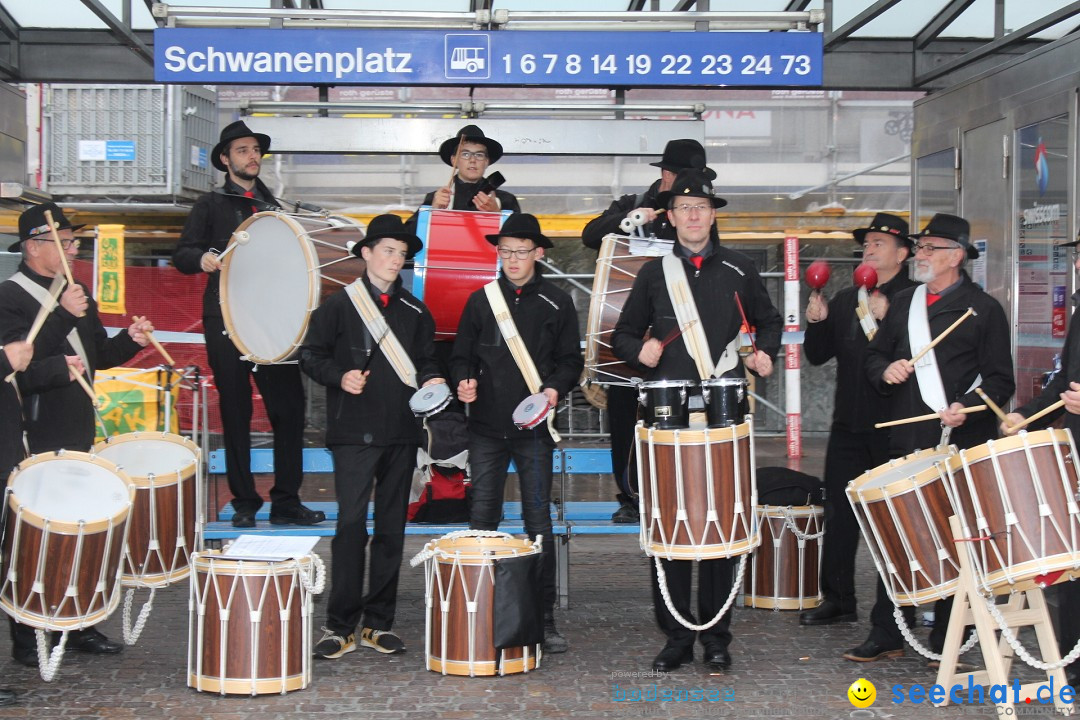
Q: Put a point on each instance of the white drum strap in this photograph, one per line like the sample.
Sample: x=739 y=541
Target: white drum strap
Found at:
x=866 y=318
x=926 y=369
x=686 y=314
x=736 y=586
x=510 y=334
x=45 y=299
x=382 y=334
x=132 y=632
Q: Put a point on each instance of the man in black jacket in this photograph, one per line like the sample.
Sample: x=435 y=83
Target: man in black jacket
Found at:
x=59 y=414
x=834 y=330
x=714 y=274
x=1065 y=386
x=371 y=431
x=486 y=375
x=622 y=402
x=206 y=234
x=976 y=354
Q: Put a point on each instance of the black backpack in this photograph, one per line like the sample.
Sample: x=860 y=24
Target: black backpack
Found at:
x=784 y=486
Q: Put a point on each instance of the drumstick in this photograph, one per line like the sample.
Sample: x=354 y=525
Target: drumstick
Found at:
x=927 y=416
x=453 y=165
x=77 y=376
x=753 y=345
x=993 y=406
x=159 y=347
x=939 y=338
x=675 y=333
x=42 y=316
x=372 y=355
x=1033 y=418
x=60 y=249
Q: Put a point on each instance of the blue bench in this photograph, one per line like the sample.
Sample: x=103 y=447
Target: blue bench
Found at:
x=575 y=518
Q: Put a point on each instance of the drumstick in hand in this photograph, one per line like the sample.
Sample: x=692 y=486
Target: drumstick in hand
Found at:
x=1036 y=416
x=77 y=377
x=675 y=333
x=746 y=323
x=992 y=405
x=42 y=315
x=943 y=335
x=159 y=347
x=927 y=416
x=60 y=249
x=453 y=165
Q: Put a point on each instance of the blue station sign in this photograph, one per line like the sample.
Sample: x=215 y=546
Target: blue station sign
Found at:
x=435 y=57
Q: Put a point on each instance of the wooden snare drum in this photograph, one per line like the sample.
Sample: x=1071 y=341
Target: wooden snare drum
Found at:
x=162 y=533
x=460 y=588
x=1020 y=493
x=698 y=491
x=784 y=568
x=249 y=625
x=903 y=509
x=67 y=523
x=278 y=270
x=617 y=265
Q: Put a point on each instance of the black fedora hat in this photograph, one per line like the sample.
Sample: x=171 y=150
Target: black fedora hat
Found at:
x=235 y=131
x=888 y=224
x=33 y=225
x=690 y=183
x=472 y=134
x=521 y=225
x=949 y=227
x=685 y=154
x=388 y=226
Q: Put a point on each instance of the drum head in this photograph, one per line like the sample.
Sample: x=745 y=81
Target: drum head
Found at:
x=70 y=489
x=144 y=454
x=269 y=285
x=531 y=411
x=430 y=400
x=906 y=467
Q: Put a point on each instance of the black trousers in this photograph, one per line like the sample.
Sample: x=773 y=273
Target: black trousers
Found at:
x=359 y=469
x=885 y=632
x=715 y=578
x=848 y=455
x=1068 y=597
x=622 y=409
x=283 y=395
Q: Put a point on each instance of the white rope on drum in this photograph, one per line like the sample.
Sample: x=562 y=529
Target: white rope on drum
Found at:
x=48 y=663
x=431 y=551
x=661 y=578
x=898 y=615
x=131 y=634
x=789 y=522
x=1020 y=650
x=319 y=584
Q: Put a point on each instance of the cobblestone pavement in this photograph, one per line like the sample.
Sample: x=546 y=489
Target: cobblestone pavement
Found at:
x=780 y=669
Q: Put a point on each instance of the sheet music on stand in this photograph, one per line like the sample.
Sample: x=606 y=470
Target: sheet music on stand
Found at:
x=270 y=549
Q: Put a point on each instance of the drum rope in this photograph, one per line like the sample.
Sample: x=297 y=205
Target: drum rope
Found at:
x=431 y=551
x=789 y=523
x=1020 y=650
x=131 y=634
x=898 y=615
x=319 y=583
x=661 y=578
x=48 y=663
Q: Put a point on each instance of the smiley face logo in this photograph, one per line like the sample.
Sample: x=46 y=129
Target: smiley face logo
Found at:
x=862 y=693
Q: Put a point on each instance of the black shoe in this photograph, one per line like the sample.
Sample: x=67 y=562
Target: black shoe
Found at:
x=870 y=651
x=92 y=641
x=826 y=613
x=672 y=657
x=25 y=656
x=7 y=697
x=243 y=519
x=299 y=515
x=717 y=656
x=627 y=512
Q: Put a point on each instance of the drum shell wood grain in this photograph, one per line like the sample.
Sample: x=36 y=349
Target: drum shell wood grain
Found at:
x=772 y=581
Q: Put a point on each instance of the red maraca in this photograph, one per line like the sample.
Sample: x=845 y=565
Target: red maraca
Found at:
x=817 y=274
x=866 y=276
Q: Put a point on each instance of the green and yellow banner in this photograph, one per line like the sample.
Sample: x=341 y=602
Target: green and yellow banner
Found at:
x=133 y=399
x=109 y=253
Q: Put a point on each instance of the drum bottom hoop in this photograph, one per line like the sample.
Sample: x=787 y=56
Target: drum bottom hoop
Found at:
x=54 y=624
x=510 y=666
x=156 y=580
x=927 y=595
x=783 y=603
x=241 y=686
x=1023 y=574
x=702 y=552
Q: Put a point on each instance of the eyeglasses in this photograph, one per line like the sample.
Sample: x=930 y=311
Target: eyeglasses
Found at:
x=520 y=253
x=690 y=209
x=469 y=155
x=929 y=249
x=67 y=244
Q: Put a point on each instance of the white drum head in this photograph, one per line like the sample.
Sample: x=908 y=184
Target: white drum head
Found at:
x=70 y=490
x=885 y=475
x=146 y=456
x=269 y=287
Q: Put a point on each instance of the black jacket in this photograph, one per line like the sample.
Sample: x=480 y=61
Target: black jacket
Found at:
x=979 y=345
x=209 y=226
x=463 y=194
x=59 y=413
x=1070 y=372
x=608 y=223
x=858 y=405
x=548 y=324
x=722 y=274
x=338 y=341
x=11 y=447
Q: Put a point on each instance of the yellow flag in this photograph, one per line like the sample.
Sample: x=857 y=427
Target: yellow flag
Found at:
x=109 y=257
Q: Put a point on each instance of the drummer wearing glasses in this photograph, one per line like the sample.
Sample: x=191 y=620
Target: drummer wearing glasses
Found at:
x=713 y=274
